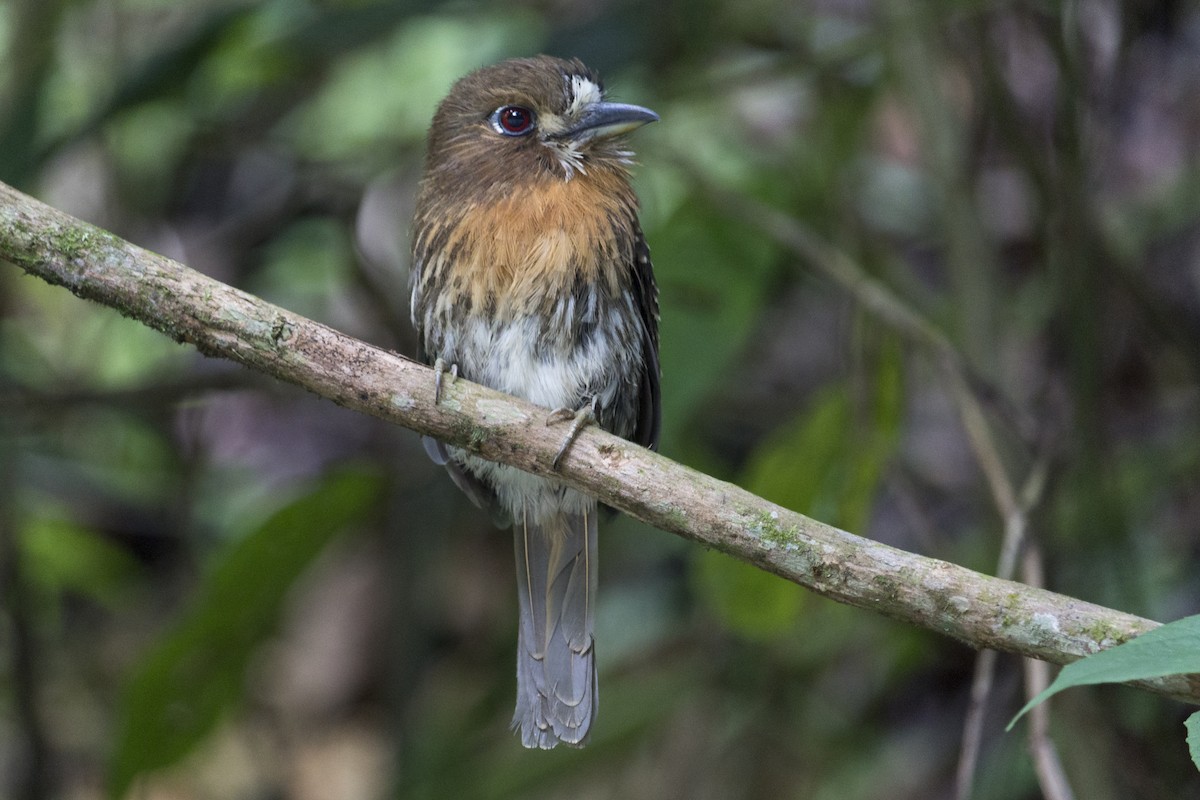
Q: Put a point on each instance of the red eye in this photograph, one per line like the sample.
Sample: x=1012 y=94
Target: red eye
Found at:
x=513 y=120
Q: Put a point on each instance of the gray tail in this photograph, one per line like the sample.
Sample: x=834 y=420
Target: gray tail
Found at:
x=556 y=661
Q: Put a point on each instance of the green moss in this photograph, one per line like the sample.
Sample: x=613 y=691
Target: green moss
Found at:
x=1101 y=632
x=1008 y=605
x=479 y=437
x=72 y=243
x=769 y=529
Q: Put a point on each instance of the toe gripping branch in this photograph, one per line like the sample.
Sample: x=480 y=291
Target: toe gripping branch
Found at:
x=439 y=369
x=582 y=417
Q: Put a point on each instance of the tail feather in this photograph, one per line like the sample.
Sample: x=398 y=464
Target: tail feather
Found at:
x=556 y=669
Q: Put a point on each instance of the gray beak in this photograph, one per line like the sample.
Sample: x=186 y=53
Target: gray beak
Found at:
x=602 y=120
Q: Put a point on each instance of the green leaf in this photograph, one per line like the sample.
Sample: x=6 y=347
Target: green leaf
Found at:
x=747 y=600
x=62 y=556
x=386 y=92
x=1193 y=737
x=799 y=465
x=714 y=284
x=305 y=266
x=827 y=462
x=60 y=340
x=195 y=674
x=1173 y=649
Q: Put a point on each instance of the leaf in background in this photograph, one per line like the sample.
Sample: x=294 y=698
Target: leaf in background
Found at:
x=713 y=284
x=754 y=603
x=1173 y=649
x=55 y=339
x=61 y=556
x=791 y=469
x=306 y=267
x=113 y=451
x=71 y=112
x=825 y=463
x=182 y=687
x=872 y=441
x=388 y=92
x=801 y=466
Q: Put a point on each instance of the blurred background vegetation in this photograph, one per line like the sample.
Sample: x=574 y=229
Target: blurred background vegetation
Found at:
x=233 y=589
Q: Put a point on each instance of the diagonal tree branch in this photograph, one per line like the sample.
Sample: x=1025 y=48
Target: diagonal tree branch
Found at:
x=967 y=390
x=221 y=321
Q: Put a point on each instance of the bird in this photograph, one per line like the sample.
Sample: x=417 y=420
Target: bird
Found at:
x=531 y=275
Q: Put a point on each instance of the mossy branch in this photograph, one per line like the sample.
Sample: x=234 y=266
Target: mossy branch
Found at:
x=220 y=321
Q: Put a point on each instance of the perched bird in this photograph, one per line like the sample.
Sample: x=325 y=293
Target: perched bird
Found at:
x=531 y=276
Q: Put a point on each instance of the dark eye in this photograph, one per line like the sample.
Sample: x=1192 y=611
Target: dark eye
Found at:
x=513 y=120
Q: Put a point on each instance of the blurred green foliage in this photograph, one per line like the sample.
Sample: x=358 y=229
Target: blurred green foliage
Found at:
x=62 y=559
x=198 y=564
x=195 y=674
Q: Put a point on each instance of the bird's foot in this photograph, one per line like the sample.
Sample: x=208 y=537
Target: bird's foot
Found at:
x=581 y=418
x=439 y=369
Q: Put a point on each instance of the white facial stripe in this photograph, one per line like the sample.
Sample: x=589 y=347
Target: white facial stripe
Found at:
x=583 y=92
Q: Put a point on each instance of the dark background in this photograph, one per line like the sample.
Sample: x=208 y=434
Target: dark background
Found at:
x=257 y=594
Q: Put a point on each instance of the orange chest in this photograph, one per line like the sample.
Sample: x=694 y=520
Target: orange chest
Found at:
x=520 y=253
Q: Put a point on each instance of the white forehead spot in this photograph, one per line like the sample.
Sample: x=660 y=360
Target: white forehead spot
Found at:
x=584 y=92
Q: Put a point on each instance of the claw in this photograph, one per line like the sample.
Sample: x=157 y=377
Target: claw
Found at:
x=439 y=369
x=583 y=416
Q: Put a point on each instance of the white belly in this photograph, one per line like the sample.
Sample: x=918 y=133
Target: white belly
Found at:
x=515 y=359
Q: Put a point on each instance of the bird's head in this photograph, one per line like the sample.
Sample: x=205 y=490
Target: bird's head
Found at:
x=530 y=118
